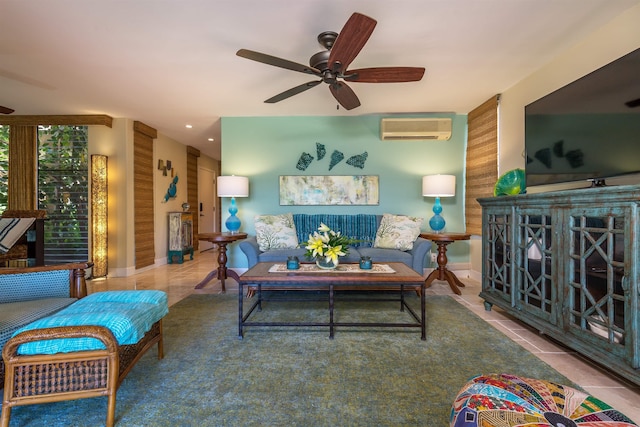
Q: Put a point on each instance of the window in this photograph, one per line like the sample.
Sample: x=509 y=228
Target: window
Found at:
x=63 y=190
x=4 y=166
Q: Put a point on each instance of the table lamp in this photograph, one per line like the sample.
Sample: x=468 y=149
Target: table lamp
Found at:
x=233 y=186
x=438 y=186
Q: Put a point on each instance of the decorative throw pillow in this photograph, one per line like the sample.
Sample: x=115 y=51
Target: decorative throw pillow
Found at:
x=276 y=232
x=397 y=232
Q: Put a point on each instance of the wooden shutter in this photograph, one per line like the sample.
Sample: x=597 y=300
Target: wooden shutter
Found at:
x=23 y=167
x=143 y=136
x=482 y=160
x=192 y=190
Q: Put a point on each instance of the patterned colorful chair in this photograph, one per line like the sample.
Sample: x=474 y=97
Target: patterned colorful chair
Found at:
x=503 y=400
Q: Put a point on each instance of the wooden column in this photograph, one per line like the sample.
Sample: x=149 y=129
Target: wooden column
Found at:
x=192 y=190
x=143 y=137
x=23 y=167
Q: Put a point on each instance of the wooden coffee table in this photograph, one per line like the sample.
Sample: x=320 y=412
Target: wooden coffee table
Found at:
x=260 y=276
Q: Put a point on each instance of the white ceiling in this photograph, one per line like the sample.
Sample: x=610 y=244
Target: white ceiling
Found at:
x=172 y=62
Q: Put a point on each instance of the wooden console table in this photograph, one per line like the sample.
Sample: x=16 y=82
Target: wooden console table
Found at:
x=442 y=273
x=222 y=240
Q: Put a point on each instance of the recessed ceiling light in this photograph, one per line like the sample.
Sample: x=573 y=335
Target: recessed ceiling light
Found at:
x=211 y=139
x=188 y=126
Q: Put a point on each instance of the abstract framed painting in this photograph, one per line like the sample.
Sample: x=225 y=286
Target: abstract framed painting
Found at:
x=329 y=190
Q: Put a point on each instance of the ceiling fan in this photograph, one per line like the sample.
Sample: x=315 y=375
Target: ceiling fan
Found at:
x=331 y=65
x=6 y=110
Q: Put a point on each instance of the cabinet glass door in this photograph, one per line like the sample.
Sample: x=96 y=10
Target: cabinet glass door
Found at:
x=497 y=277
x=535 y=265
x=595 y=275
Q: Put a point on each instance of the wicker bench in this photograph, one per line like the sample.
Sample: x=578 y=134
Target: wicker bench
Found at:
x=30 y=293
x=50 y=377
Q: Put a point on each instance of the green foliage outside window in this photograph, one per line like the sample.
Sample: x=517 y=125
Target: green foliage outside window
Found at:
x=63 y=191
x=4 y=165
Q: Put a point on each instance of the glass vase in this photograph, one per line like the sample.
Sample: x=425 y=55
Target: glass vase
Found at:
x=326 y=265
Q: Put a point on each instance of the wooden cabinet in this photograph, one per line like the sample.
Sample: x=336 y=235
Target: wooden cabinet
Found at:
x=566 y=263
x=180 y=236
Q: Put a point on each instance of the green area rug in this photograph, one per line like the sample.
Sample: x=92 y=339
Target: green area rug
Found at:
x=298 y=376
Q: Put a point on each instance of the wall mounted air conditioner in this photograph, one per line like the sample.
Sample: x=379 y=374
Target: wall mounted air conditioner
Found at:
x=415 y=129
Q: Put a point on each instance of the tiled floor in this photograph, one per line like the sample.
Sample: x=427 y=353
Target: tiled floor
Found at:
x=178 y=280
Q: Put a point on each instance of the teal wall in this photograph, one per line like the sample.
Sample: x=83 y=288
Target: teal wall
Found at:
x=263 y=148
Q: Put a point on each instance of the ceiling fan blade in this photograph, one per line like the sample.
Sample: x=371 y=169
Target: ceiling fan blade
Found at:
x=5 y=110
x=633 y=103
x=293 y=91
x=344 y=95
x=385 y=75
x=277 y=62
x=350 y=41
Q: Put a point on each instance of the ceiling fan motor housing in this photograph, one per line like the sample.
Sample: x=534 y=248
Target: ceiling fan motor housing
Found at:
x=320 y=60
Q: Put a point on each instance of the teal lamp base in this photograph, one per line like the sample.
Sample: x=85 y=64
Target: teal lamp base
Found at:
x=437 y=222
x=233 y=222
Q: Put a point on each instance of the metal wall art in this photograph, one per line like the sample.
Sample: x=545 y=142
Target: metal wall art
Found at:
x=165 y=167
x=329 y=190
x=305 y=159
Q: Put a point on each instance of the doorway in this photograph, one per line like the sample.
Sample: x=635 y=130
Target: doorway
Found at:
x=207 y=206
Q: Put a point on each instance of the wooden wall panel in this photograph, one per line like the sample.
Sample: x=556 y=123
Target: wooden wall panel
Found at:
x=23 y=168
x=192 y=190
x=66 y=120
x=143 y=196
x=482 y=161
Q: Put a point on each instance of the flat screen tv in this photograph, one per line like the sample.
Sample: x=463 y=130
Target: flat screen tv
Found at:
x=587 y=130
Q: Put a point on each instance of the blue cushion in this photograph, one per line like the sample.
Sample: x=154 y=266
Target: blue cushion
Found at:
x=280 y=255
x=15 y=315
x=387 y=255
x=151 y=297
x=128 y=314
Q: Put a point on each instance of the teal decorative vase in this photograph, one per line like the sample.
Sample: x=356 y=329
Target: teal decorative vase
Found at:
x=511 y=183
x=326 y=265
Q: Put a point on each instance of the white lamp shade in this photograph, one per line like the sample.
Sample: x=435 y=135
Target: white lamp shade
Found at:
x=439 y=185
x=233 y=186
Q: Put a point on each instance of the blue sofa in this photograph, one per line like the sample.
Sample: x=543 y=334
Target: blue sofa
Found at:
x=362 y=227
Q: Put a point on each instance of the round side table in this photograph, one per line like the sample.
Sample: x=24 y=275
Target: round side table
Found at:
x=442 y=273
x=222 y=240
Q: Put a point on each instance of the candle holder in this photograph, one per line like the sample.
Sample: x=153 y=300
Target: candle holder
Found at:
x=366 y=263
x=293 y=263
